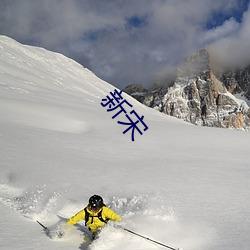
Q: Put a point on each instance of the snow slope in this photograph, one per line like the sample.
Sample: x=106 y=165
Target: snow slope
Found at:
x=179 y=184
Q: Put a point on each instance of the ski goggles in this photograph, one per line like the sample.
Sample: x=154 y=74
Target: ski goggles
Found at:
x=94 y=208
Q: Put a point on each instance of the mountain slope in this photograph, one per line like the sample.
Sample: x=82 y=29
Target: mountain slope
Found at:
x=183 y=185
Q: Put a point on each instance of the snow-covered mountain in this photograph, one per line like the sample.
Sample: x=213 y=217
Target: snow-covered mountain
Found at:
x=182 y=185
x=201 y=95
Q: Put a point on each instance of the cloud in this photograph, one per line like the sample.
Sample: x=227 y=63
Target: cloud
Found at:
x=228 y=28
x=121 y=41
x=233 y=49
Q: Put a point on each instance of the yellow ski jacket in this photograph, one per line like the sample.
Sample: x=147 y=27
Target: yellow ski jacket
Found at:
x=94 y=223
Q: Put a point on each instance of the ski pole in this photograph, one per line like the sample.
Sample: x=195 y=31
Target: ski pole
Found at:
x=45 y=228
x=146 y=238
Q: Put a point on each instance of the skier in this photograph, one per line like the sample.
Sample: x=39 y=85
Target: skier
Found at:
x=95 y=214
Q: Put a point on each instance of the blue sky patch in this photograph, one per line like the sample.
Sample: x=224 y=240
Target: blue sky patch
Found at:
x=219 y=17
x=136 y=21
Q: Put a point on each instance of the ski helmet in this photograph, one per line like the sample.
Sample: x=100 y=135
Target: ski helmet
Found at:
x=95 y=202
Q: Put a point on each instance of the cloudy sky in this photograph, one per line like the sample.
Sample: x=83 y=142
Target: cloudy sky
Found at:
x=131 y=41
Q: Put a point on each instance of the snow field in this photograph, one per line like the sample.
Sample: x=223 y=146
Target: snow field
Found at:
x=181 y=185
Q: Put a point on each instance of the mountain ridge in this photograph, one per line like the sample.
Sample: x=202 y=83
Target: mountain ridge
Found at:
x=201 y=95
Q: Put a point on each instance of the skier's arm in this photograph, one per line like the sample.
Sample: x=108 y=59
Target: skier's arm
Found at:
x=77 y=217
x=110 y=214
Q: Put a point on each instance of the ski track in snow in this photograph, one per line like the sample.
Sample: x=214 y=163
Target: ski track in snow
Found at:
x=43 y=117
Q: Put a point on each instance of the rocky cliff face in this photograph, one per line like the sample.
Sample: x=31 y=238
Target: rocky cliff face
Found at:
x=199 y=96
x=237 y=81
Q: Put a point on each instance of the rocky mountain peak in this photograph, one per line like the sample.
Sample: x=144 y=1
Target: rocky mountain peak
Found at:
x=196 y=64
x=200 y=96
